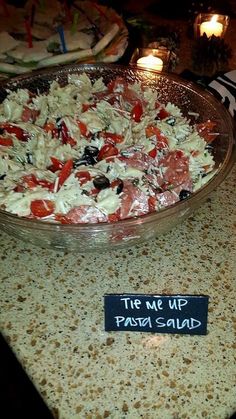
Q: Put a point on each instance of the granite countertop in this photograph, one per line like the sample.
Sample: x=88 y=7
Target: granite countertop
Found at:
x=52 y=316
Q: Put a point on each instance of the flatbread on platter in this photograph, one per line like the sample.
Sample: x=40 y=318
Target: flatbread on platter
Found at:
x=95 y=33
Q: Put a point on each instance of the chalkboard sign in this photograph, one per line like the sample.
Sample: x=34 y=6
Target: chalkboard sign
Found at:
x=182 y=314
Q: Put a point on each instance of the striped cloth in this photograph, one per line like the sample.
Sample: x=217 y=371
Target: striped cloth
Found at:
x=224 y=88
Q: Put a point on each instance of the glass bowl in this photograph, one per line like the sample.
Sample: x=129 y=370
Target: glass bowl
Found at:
x=91 y=237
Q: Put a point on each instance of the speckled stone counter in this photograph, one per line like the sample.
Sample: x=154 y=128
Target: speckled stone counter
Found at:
x=52 y=316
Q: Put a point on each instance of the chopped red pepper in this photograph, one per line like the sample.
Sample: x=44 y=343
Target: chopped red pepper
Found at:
x=162 y=141
x=114 y=217
x=31 y=182
x=205 y=130
x=50 y=127
x=107 y=150
x=162 y=114
x=6 y=141
x=66 y=138
x=83 y=176
x=62 y=218
x=56 y=164
x=65 y=172
x=152 y=153
x=137 y=112
x=83 y=128
x=17 y=131
x=113 y=138
x=152 y=203
x=87 y=106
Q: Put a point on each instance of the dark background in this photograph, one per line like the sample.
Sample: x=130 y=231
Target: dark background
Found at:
x=18 y=396
x=167 y=8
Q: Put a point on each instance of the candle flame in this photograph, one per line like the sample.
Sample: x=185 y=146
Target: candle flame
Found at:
x=214 y=19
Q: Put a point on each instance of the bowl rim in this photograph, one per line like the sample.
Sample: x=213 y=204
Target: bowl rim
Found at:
x=197 y=196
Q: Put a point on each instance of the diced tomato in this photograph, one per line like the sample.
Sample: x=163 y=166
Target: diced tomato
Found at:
x=83 y=128
x=107 y=150
x=205 y=130
x=56 y=164
x=113 y=138
x=31 y=182
x=152 y=203
x=42 y=207
x=137 y=112
x=162 y=114
x=64 y=132
x=50 y=127
x=65 y=172
x=161 y=139
x=45 y=184
x=114 y=217
x=83 y=176
x=29 y=115
x=17 y=131
x=6 y=141
x=71 y=141
x=152 y=153
x=62 y=218
x=65 y=136
x=87 y=106
x=150 y=131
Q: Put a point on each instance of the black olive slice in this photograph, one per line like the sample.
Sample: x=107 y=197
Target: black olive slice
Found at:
x=184 y=194
x=91 y=150
x=101 y=182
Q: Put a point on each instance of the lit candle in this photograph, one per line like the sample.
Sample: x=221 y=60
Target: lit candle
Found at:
x=151 y=62
x=212 y=27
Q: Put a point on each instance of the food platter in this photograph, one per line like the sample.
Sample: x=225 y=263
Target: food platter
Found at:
x=39 y=35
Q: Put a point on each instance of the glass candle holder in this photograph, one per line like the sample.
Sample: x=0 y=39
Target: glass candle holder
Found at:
x=151 y=58
x=210 y=24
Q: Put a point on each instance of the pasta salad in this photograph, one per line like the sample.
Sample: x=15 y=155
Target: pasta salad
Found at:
x=90 y=152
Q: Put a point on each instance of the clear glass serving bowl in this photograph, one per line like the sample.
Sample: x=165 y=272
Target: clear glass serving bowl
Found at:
x=91 y=237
